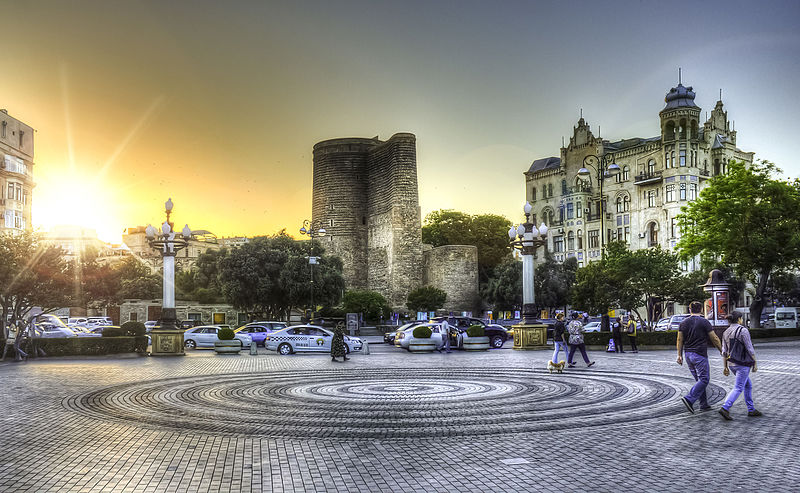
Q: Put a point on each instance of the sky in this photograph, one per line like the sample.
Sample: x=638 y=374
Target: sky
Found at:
x=218 y=104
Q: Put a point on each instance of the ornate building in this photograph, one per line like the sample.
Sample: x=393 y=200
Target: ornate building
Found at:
x=16 y=173
x=658 y=176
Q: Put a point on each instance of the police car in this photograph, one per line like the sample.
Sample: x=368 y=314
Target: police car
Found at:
x=307 y=338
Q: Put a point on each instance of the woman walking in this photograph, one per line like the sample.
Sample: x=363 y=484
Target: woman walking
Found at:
x=337 y=345
x=559 y=338
x=739 y=357
x=575 y=329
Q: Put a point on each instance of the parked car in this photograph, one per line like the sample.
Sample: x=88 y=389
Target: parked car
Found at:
x=188 y=324
x=405 y=334
x=497 y=334
x=389 y=337
x=662 y=325
x=592 y=327
x=307 y=338
x=258 y=331
x=675 y=321
x=50 y=326
x=206 y=336
x=95 y=321
x=73 y=321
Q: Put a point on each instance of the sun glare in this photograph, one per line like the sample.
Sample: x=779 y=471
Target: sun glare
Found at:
x=64 y=198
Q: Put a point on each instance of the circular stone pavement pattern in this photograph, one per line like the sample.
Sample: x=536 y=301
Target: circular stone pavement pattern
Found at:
x=388 y=403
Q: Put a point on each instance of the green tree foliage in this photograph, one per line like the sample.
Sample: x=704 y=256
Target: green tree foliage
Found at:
x=136 y=280
x=488 y=232
x=503 y=291
x=32 y=274
x=369 y=303
x=426 y=299
x=748 y=219
x=201 y=282
x=98 y=283
x=553 y=282
x=269 y=276
x=785 y=288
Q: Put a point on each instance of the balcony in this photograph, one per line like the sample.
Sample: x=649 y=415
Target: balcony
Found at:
x=648 y=178
x=704 y=173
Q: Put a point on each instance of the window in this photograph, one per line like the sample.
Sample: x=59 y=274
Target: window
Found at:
x=683 y=157
x=594 y=238
x=5 y=124
x=669 y=193
x=692 y=191
x=550 y=190
x=558 y=243
x=651 y=166
x=580 y=209
x=666 y=159
x=683 y=191
x=19 y=222
x=652 y=230
x=651 y=198
x=619 y=204
x=673 y=228
x=544 y=191
x=10 y=193
x=626 y=203
x=580 y=240
x=627 y=219
x=133 y=316
x=672 y=159
x=561 y=214
x=15 y=165
x=9 y=216
x=330 y=223
x=571 y=240
x=626 y=173
x=570 y=210
x=563 y=187
x=619 y=220
x=619 y=234
x=533 y=194
x=627 y=234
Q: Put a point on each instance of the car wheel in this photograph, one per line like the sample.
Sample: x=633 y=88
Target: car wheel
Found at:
x=190 y=344
x=284 y=349
x=496 y=341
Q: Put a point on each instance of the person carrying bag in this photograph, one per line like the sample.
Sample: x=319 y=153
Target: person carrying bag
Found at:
x=632 y=332
x=739 y=357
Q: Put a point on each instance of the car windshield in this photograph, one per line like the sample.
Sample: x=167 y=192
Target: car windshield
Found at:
x=50 y=320
x=785 y=316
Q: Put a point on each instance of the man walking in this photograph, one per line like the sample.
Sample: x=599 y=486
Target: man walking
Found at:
x=693 y=336
x=616 y=333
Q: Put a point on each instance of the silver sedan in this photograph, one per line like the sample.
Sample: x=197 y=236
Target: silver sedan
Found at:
x=307 y=338
x=438 y=330
x=206 y=336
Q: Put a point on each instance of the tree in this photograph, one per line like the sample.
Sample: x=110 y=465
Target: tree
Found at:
x=750 y=221
x=32 y=274
x=201 y=282
x=426 y=299
x=553 y=282
x=98 y=283
x=504 y=289
x=269 y=276
x=785 y=288
x=137 y=281
x=594 y=289
x=369 y=303
x=488 y=232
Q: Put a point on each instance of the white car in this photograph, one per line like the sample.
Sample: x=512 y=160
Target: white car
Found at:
x=662 y=325
x=206 y=336
x=438 y=330
x=307 y=338
x=592 y=327
x=49 y=326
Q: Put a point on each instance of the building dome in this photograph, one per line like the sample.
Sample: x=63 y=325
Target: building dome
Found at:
x=680 y=97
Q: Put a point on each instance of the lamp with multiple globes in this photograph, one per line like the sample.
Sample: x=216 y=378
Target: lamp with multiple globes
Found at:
x=526 y=238
x=312 y=232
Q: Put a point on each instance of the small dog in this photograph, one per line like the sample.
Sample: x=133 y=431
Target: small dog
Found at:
x=558 y=367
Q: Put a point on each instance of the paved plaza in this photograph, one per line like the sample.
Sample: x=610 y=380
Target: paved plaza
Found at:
x=392 y=421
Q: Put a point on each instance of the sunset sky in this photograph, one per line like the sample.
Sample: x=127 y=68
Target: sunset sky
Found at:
x=218 y=104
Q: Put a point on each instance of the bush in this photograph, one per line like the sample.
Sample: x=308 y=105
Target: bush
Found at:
x=87 y=346
x=112 y=331
x=422 y=332
x=476 y=331
x=134 y=329
x=226 y=334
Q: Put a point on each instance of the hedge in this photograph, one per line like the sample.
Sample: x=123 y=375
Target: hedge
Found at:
x=88 y=346
x=670 y=337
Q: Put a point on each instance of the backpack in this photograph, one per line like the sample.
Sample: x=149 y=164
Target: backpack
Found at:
x=738 y=352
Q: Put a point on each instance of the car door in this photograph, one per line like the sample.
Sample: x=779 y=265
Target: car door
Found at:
x=316 y=340
x=207 y=337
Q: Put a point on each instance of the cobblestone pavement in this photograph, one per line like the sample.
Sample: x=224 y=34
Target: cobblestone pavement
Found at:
x=392 y=421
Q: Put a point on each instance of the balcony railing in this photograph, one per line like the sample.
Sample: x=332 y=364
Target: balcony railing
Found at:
x=645 y=178
x=705 y=172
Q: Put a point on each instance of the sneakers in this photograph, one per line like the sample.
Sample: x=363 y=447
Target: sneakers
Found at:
x=725 y=414
x=571 y=365
x=688 y=405
x=590 y=364
x=707 y=408
x=755 y=412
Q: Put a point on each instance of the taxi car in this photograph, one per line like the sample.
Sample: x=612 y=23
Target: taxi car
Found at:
x=307 y=338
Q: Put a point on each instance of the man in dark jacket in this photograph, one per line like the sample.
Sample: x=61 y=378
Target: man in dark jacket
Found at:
x=559 y=337
x=616 y=333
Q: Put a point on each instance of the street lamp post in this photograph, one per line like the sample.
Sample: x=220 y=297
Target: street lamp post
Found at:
x=605 y=167
x=309 y=230
x=167 y=339
x=526 y=237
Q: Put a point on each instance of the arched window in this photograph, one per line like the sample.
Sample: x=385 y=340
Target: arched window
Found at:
x=666 y=159
x=563 y=187
x=580 y=239
x=672 y=159
x=544 y=191
x=533 y=194
x=619 y=204
x=651 y=166
x=571 y=240
x=626 y=173
x=550 y=190
x=652 y=234
x=626 y=204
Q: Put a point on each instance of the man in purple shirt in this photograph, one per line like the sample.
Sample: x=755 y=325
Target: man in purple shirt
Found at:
x=693 y=336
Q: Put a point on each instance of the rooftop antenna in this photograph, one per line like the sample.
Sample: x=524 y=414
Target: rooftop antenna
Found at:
x=679 y=75
x=562 y=141
x=581 y=112
x=720 y=94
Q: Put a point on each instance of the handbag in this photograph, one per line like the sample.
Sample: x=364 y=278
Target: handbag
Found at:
x=631 y=327
x=738 y=352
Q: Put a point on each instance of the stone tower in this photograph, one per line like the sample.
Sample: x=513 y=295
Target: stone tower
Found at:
x=365 y=195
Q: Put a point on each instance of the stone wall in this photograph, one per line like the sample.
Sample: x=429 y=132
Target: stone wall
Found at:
x=453 y=269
